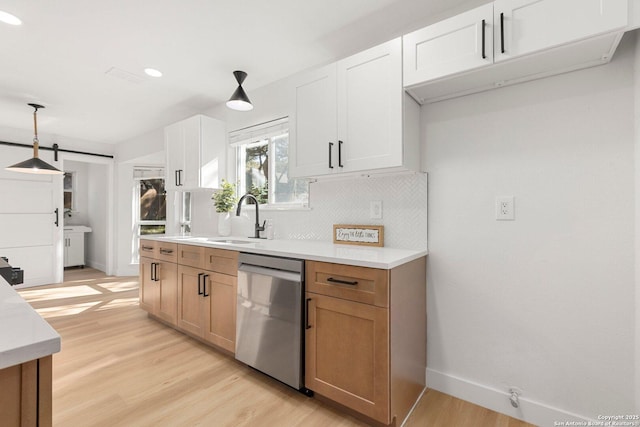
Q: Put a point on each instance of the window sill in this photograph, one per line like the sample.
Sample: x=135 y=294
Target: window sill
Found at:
x=284 y=208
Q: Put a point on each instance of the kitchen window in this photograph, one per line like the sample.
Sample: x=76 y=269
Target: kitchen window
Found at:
x=262 y=169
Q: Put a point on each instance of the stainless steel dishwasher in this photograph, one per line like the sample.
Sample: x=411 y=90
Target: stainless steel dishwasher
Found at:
x=269 y=334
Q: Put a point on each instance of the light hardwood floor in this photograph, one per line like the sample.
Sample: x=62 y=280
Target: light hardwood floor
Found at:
x=119 y=368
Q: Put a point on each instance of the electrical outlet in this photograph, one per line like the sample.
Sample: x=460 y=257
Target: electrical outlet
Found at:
x=375 y=209
x=505 y=208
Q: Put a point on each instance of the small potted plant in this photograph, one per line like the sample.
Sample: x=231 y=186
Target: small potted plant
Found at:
x=225 y=200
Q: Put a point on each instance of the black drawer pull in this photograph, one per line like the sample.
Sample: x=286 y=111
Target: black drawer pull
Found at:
x=200 y=283
x=147 y=248
x=166 y=251
x=342 y=282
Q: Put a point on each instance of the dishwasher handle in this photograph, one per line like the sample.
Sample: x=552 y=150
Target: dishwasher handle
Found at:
x=263 y=271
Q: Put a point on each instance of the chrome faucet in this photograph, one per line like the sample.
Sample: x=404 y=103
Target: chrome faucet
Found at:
x=258 y=227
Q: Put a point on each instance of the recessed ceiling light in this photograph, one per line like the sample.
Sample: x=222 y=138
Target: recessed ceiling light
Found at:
x=153 y=72
x=10 y=19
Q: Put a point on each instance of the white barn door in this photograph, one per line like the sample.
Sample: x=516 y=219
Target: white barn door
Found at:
x=28 y=234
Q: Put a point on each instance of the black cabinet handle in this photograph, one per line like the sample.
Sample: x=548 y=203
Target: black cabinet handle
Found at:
x=306 y=316
x=166 y=251
x=176 y=177
x=57 y=222
x=342 y=282
x=484 y=53
x=147 y=248
x=200 y=283
x=330 y=150
x=502 y=32
x=340 y=154
x=204 y=285
x=153 y=271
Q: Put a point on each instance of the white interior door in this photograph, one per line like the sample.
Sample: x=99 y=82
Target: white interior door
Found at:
x=29 y=236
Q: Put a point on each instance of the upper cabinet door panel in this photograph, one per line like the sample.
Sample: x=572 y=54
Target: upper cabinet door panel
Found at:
x=192 y=153
x=526 y=26
x=313 y=127
x=370 y=108
x=457 y=44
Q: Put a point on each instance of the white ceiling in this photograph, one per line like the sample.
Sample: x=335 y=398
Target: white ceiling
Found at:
x=59 y=57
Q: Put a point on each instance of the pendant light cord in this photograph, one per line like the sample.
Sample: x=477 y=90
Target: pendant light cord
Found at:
x=36 y=142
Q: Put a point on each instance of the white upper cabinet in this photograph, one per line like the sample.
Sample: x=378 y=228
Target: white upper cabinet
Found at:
x=348 y=116
x=313 y=131
x=510 y=41
x=196 y=153
x=526 y=26
x=370 y=98
x=460 y=43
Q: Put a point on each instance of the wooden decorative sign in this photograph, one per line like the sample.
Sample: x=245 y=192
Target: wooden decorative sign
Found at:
x=367 y=235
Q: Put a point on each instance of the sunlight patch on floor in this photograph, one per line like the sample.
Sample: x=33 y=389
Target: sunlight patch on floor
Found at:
x=65 y=310
x=118 y=303
x=58 y=293
x=119 y=286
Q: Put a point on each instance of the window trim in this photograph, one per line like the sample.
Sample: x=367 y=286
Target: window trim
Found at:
x=268 y=131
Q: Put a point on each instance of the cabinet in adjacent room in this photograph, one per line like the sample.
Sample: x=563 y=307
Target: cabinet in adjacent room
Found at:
x=73 y=249
x=350 y=116
x=196 y=150
x=158 y=279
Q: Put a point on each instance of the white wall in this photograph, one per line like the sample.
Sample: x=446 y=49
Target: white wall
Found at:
x=546 y=302
x=97 y=188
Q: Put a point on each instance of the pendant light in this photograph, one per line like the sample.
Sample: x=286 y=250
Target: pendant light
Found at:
x=34 y=165
x=239 y=100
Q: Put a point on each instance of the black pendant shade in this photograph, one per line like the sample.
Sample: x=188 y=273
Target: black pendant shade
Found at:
x=35 y=165
x=239 y=100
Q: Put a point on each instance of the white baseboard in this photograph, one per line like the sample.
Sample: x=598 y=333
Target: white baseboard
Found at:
x=498 y=400
x=97 y=265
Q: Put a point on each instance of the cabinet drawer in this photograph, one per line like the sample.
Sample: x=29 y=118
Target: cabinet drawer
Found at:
x=221 y=261
x=148 y=248
x=167 y=251
x=360 y=284
x=192 y=256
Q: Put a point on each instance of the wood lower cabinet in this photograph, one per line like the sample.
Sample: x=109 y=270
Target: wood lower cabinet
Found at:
x=25 y=394
x=347 y=354
x=159 y=280
x=366 y=337
x=207 y=298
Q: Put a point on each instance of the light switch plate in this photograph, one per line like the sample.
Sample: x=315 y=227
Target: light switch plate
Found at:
x=505 y=208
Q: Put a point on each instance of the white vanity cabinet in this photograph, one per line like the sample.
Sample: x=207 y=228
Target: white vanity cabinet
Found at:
x=196 y=153
x=74 y=245
x=350 y=116
x=510 y=41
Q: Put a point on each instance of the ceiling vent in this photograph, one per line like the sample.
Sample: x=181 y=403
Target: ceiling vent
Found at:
x=125 y=75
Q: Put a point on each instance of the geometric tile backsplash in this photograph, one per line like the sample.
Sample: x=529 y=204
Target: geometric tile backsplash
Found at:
x=346 y=201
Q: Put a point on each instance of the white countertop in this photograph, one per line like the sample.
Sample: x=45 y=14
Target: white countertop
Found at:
x=77 y=228
x=24 y=335
x=364 y=256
